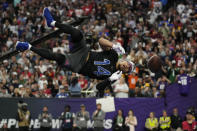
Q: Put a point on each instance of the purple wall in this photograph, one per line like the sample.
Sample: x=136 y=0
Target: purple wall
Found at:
x=174 y=99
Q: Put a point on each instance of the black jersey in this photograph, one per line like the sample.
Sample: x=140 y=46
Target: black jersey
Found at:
x=100 y=65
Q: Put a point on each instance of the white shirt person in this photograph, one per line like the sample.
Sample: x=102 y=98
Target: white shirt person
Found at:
x=131 y=121
x=121 y=88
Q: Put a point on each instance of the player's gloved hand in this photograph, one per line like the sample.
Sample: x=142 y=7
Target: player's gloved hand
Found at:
x=118 y=48
x=115 y=76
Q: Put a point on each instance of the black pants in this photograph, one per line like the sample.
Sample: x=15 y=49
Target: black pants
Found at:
x=166 y=129
x=154 y=129
x=67 y=129
x=45 y=128
x=80 y=129
x=117 y=128
x=79 y=53
x=98 y=129
x=25 y=128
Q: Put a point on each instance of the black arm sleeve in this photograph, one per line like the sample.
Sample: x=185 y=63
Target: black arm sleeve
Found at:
x=102 y=85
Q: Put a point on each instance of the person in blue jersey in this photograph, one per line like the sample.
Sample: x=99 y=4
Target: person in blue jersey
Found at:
x=62 y=93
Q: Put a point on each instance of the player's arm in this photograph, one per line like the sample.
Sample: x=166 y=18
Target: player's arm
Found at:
x=115 y=76
x=107 y=45
x=169 y=82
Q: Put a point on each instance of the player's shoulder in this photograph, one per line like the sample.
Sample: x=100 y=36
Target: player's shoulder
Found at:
x=114 y=52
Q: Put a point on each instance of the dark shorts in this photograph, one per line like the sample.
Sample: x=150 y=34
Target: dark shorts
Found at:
x=77 y=58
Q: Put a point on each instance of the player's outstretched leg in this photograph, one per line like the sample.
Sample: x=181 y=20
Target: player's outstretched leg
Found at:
x=49 y=19
x=45 y=53
x=76 y=34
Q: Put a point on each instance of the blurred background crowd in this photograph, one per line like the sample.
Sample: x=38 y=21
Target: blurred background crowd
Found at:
x=167 y=28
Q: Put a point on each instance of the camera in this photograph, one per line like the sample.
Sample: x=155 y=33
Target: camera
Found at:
x=89 y=38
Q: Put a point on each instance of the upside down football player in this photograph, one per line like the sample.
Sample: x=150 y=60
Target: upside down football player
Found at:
x=98 y=65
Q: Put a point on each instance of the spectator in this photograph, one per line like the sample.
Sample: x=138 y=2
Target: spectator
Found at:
x=172 y=71
x=11 y=90
x=147 y=85
x=22 y=91
x=4 y=92
x=92 y=91
x=155 y=92
x=151 y=122
x=83 y=82
x=131 y=121
x=62 y=93
x=42 y=81
x=132 y=80
x=189 y=124
x=164 y=122
x=51 y=86
x=81 y=119
x=119 y=121
x=98 y=117
x=137 y=92
x=23 y=117
x=16 y=93
x=176 y=121
x=26 y=74
x=28 y=93
x=184 y=83
x=193 y=109
x=67 y=118
x=45 y=119
x=162 y=83
x=121 y=89
x=107 y=93
x=47 y=91
x=75 y=88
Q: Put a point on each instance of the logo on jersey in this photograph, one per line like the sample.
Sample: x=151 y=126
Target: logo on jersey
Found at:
x=100 y=70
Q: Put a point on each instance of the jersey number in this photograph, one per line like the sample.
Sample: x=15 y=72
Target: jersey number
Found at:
x=100 y=69
x=184 y=82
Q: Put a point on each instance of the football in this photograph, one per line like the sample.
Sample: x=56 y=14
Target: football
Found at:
x=154 y=63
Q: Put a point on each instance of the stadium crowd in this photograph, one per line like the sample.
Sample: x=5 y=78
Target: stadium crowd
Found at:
x=142 y=27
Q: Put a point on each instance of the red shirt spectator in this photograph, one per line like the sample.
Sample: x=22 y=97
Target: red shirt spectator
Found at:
x=26 y=73
x=46 y=91
x=70 y=12
x=178 y=60
x=190 y=124
x=83 y=82
x=189 y=127
x=87 y=9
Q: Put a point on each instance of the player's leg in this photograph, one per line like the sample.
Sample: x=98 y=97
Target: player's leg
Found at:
x=76 y=34
x=45 y=53
x=79 y=51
